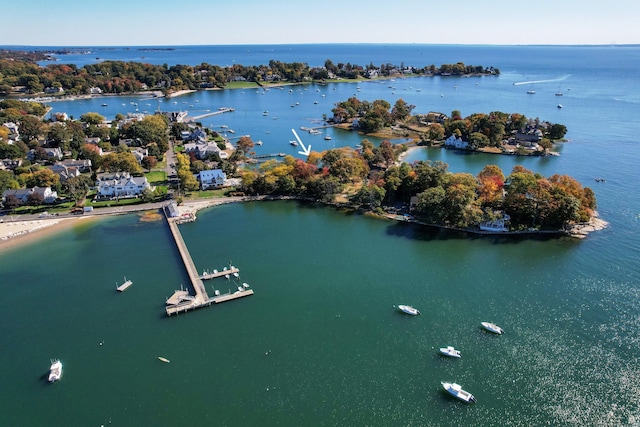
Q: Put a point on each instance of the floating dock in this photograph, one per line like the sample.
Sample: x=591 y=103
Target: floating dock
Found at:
x=181 y=301
x=124 y=286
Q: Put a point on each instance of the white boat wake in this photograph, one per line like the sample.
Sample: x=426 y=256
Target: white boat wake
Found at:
x=532 y=82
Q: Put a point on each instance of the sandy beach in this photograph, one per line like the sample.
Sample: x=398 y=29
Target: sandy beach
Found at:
x=13 y=233
x=21 y=232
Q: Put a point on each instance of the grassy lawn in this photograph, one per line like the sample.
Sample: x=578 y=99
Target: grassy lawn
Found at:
x=156 y=177
x=207 y=194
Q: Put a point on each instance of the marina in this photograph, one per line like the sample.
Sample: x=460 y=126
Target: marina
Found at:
x=331 y=309
x=181 y=301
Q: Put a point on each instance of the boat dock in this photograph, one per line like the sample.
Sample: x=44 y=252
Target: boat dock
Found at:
x=124 y=286
x=213 y=113
x=182 y=301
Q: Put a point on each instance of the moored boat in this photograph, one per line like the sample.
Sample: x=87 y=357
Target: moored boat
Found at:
x=450 y=351
x=55 y=372
x=163 y=359
x=409 y=310
x=492 y=327
x=456 y=391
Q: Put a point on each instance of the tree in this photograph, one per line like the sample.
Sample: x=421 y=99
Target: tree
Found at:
x=121 y=162
x=557 y=131
x=149 y=162
x=31 y=128
x=151 y=129
x=92 y=118
x=8 y=181
x=35 y=199
x=11 y=202
x=59 y=136
x=401 y=110
x=43 y=178
x=78 y=187
x=245 y=144
x=386 y=150
x=435 y=132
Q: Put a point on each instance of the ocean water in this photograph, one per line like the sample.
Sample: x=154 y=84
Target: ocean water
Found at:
x=320 y=342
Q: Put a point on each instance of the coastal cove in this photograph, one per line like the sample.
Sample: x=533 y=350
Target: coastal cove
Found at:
x=321 y=342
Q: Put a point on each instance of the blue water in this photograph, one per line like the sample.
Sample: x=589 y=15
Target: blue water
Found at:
x=320 y=343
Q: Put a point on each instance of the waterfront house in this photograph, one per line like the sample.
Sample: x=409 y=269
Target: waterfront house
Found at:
x=211 y=178
x=22 y=194
x=120 y=185
x=456 y=142
x=202 y=150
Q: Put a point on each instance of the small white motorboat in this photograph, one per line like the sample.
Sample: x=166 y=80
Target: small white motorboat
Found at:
x=492 y=327
x=450 y=351
x=163 y=359
x=457 y=391
x=55 y=372
x=409 y=310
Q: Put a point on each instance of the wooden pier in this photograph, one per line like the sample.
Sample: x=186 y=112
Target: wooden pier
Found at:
x=181 y=301
x=213 y=113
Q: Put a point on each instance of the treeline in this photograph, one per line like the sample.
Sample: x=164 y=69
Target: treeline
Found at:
x=442 y=198
x=479 y=129
x=123 y=77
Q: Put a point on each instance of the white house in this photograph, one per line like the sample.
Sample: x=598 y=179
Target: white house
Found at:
x=211 y=178
x=121 y=184
x=48 y=195
x=140 y=153
x=455 y=142
x=95 y=90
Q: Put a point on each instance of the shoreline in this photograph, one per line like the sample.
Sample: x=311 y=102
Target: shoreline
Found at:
x=18 y=233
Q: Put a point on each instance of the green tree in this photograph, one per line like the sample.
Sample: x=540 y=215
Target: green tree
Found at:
x=91 y=118
x=8 y=181
x=78 y=187
x=31 y=128
x=557 y=131
x=43 y=178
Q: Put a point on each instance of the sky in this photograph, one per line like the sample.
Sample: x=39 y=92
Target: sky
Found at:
x=233 y=22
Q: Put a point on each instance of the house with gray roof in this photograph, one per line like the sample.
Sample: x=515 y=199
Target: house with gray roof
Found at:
x=120 y=185
x=213 y=178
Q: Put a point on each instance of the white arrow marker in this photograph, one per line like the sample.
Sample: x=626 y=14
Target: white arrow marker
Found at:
x=305 y=150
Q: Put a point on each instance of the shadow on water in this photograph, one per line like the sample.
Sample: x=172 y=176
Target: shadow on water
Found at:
x=428 y=233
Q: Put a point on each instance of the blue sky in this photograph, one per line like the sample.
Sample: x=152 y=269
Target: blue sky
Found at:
x=221 y=22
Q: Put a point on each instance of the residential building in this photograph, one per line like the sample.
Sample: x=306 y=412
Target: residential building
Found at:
x=10 y=164
x=22 y=194
x=120 y=185
x=65 y=172
x=83 y=165
x=455 y=142
x=211 y=178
